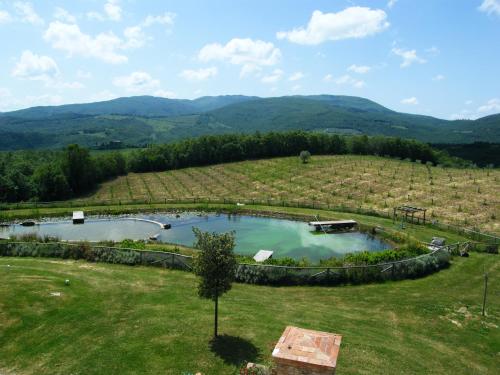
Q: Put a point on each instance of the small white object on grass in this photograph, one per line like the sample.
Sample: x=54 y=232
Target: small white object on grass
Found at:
x=66 y=282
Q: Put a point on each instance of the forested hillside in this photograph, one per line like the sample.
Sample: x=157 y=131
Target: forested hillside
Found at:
x=140 y=121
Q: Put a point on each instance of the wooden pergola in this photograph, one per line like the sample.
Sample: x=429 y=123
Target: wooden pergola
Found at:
x=410 y=213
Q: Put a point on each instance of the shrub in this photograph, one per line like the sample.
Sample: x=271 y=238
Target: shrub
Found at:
x=305 y=156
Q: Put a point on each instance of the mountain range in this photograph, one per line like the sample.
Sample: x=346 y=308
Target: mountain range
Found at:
x=141 y=120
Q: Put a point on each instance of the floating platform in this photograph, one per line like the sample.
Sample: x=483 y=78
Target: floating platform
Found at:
x=333 y=224
x=263 y=255
x=28 y=223
x=78 y=217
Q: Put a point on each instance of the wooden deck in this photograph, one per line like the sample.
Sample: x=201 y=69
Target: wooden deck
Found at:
x=333 y=224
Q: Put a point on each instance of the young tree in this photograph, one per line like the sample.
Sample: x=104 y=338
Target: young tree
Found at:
x=305 y=156
x=215 y=264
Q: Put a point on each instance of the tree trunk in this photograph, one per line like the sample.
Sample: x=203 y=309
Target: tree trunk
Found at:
x=216 y=313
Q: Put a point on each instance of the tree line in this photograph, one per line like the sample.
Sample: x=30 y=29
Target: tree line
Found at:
x=74 y=171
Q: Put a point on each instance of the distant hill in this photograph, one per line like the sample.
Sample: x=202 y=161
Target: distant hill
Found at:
x=144 y=106
x=141 y=120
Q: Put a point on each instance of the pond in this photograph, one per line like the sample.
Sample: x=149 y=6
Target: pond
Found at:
x=286 y=238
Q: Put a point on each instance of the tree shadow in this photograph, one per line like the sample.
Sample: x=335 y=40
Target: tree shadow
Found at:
x=234 y=350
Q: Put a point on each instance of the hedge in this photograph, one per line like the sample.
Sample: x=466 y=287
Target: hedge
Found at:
x=246 y=273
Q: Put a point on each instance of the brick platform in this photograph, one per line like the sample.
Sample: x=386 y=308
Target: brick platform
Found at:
x=306 y=352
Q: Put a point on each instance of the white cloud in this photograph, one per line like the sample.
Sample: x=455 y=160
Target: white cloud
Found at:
x=353 y=22
x=274 y=77
x=28 y=13
x=34 y=67
x=360 y=69
x=296 y=88
x=296 y=76
x=490 y=6
x=113 y=10
x=5 y=17
x=135 y=37
x=199 y=75
x=165 y=94
x=391 y=3
x=409 y=57
x=95 y=16
x=492 y=106
x=439 y=77
x=251 y=54
x=69 y=38
x=137 y=82
x=410 y=101
x=166 y=19
x=42 y=68
x=62 y=14
x=345 y=80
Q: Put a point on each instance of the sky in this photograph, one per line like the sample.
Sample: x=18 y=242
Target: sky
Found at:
x=433 y=57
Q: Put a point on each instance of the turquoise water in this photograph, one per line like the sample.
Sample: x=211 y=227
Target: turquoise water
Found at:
x=285 y=237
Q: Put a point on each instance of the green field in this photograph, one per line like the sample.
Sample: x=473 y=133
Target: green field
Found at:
x=465 y=197
x=122 y=320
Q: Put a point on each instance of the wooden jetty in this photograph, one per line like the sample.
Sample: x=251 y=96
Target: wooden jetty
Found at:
x=28 y=223
x=333 y=224
x=263 y=255
x=78 y=217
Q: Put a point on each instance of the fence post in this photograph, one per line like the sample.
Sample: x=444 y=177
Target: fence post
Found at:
x=485 y=290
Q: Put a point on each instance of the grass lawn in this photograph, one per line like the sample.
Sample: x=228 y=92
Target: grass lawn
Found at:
x=137 y=320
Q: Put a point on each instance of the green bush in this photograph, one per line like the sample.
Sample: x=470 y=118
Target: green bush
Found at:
x=131 y=244
x=355 y=274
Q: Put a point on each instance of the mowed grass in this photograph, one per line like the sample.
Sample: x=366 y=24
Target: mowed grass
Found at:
x=136 y=320
x=467 y=197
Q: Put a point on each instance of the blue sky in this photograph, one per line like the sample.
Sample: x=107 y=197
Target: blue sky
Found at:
x=435 y=57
